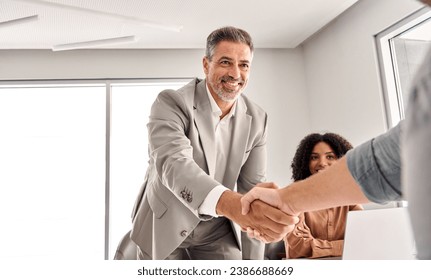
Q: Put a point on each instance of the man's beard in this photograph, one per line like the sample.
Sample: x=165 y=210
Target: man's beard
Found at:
x=226 y=94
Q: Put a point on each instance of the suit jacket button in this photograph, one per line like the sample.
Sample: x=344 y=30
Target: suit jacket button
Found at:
x=184 y=233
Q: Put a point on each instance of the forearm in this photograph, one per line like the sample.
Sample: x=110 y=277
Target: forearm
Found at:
x=297 y=247
x=227 y=205
x=310 y=247
x=333 y=187
x=325 y=248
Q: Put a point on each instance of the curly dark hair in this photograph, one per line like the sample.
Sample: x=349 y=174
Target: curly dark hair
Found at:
x=300 y=162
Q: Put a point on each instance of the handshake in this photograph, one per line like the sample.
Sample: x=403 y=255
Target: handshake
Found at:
x=261 y=212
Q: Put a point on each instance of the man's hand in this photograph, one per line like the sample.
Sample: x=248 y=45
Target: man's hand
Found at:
x=271 y=223
x=266 y=192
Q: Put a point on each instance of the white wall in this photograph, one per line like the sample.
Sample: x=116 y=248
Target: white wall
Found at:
x=342 y=70
x=329 y=84
x=277 y=83
x=99 y=64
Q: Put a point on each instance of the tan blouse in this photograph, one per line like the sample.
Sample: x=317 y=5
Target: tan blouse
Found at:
x=319 y=233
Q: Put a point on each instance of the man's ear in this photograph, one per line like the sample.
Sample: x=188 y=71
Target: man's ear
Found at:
x=205 y=64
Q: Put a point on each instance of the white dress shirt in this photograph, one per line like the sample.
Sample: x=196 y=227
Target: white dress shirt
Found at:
x=223 y=135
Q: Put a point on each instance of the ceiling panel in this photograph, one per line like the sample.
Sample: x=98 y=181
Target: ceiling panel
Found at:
x=272 y=23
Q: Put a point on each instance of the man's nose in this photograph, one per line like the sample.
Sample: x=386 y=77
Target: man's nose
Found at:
x=234 y=72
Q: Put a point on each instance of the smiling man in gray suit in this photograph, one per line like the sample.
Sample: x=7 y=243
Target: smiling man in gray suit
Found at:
x=207 y=145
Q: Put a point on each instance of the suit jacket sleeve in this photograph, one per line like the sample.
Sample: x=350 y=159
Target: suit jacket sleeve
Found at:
x=171 y=151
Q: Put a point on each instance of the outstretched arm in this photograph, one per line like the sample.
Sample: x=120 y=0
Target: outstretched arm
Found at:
x=333 y=187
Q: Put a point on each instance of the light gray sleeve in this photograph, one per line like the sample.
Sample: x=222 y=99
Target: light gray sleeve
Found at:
x=416 y=146
x=376 y=166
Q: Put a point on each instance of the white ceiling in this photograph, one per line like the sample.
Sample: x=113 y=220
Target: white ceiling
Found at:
x=272 y=23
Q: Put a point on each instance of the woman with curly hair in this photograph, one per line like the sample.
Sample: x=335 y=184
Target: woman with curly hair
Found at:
x=319 y=233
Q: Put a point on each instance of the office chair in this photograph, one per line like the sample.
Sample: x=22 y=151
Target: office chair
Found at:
x=127 y=249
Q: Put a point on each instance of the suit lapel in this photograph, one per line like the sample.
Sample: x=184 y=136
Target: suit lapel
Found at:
x=241 y=133
x=203 y=122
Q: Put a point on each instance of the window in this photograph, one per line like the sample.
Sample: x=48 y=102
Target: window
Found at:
x=401 y=49
x=52 y=167
x=72 y=157
x=131 y=104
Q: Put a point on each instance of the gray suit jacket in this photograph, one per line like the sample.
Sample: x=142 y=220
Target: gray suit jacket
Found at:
x=182 y=158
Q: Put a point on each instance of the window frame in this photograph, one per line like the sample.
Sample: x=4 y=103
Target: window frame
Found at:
x=108 y=83
x=388 y=68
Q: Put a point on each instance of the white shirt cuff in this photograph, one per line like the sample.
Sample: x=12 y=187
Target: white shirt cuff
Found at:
x=208 y=207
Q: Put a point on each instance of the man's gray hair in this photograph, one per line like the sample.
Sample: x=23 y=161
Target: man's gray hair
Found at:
x=230 y=34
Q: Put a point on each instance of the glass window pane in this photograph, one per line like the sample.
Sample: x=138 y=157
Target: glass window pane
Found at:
x=131 y=106
x=52 y=167
x=410 y=48
x=401 y=50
